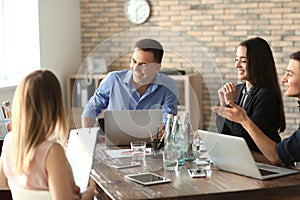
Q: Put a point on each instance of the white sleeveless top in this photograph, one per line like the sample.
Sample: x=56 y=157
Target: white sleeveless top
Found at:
x=36 y=178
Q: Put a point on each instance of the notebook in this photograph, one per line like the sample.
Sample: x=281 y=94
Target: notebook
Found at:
x=231 y=153
x=80 y=153
x=124 y=126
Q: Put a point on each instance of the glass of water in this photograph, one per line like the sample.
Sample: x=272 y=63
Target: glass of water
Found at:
x=138 y=150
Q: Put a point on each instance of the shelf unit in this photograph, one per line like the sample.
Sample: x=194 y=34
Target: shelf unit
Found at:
x=190 y=97
x=189 y=89
x=78 y=93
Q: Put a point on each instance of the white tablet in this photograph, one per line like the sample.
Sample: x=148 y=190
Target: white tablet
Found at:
x=147 y=178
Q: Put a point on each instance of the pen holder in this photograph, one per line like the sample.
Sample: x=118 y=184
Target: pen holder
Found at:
x=156 y=146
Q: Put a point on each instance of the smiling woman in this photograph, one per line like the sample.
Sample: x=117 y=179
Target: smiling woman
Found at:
x=19 y=40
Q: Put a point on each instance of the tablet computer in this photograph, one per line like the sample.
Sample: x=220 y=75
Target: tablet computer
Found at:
x=147 y=178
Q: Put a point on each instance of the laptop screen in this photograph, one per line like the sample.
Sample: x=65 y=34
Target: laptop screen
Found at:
x=124 y=126
x=231 y=153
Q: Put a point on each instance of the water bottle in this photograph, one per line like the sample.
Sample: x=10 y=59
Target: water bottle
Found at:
x=196 y=146
x=189 y=136
x=178 y=140
x=168 y=131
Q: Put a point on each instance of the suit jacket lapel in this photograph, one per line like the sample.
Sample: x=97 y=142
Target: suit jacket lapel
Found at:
x=250 y=97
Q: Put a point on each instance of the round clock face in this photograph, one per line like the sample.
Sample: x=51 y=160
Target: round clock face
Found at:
x=137 y=11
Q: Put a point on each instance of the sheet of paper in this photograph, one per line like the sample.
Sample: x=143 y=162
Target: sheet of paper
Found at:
x=80 y=153
x=123 y=153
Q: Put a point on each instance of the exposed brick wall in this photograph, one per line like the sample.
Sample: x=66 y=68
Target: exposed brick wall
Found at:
x=216 y=26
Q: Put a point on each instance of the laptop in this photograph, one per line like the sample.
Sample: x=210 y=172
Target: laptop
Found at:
x=231 y=153
x=80 y=154
x=124 y=126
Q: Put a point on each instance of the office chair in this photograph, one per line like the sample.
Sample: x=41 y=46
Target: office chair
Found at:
x=5 y=194
x=26 y=194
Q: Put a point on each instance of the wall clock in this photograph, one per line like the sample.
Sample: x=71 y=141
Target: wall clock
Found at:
x=137 y=11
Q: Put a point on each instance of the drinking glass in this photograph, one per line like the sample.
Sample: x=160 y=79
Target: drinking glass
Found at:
x=138 y=150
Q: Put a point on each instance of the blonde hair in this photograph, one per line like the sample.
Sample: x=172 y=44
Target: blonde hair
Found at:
x=37 y=115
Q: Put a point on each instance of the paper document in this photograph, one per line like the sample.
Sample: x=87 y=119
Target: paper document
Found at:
x=80 y=154
x=123 y=153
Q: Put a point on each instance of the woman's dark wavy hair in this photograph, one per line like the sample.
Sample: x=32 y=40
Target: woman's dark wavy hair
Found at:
x=262 y=70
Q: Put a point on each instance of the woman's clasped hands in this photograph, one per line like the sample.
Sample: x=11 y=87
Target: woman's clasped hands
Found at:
x=227 y=92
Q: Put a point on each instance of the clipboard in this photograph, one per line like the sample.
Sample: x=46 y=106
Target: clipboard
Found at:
x=80 y=154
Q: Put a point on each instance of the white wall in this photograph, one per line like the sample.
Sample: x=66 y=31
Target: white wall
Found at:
x=60 y=40
x=60 y=36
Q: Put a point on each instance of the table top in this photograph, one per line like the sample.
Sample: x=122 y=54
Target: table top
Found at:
x=217 y=185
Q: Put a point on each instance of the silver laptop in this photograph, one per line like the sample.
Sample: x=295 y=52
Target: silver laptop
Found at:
x=124 y=126
x=231 y=153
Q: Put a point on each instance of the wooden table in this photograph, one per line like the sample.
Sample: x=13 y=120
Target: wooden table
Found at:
x=110 y=182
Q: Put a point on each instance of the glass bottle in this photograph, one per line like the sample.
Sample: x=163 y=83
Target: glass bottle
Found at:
x=168 y=131
x=189 y=136
x=196 y=147
x=178 y=140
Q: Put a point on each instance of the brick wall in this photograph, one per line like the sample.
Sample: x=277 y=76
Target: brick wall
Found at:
x=198 y=35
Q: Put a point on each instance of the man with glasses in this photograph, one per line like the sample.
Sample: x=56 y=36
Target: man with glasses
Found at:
x=140 y=87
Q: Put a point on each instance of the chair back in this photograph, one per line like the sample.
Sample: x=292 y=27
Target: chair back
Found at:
x=26 y=194
x=5 y=194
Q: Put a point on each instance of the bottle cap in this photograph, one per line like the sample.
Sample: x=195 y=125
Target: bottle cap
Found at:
x=170 y=115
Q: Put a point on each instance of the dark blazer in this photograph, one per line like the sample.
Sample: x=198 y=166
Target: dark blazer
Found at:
x=262 y=107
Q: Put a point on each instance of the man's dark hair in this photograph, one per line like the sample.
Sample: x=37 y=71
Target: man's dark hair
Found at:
x=153 y=46
x=295 y=55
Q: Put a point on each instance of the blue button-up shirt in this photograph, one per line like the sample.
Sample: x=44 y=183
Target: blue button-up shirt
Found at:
x=117 y=92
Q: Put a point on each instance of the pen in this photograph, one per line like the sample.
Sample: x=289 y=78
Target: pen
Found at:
x=151 y=135
x=157 y=131
x=162 y=137
x=160 y=141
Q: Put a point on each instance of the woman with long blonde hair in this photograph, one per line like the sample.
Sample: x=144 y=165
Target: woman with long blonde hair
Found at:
x=31 y=157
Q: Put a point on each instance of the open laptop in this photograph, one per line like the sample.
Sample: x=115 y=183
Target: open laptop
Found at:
x=231 y=153
x=124 y=126
x=80 y=154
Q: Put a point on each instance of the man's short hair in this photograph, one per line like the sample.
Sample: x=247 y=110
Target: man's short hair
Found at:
x=295 y=55
x=153 y=46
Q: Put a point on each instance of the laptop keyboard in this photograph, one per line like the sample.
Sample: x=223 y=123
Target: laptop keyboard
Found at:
x=266 y=172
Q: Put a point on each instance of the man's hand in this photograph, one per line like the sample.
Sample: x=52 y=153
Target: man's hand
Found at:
x=235 y=113
x=87 y=122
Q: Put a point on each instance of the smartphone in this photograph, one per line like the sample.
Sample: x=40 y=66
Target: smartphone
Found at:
x=195 y=173
x=147 y=178
x=126 y=165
